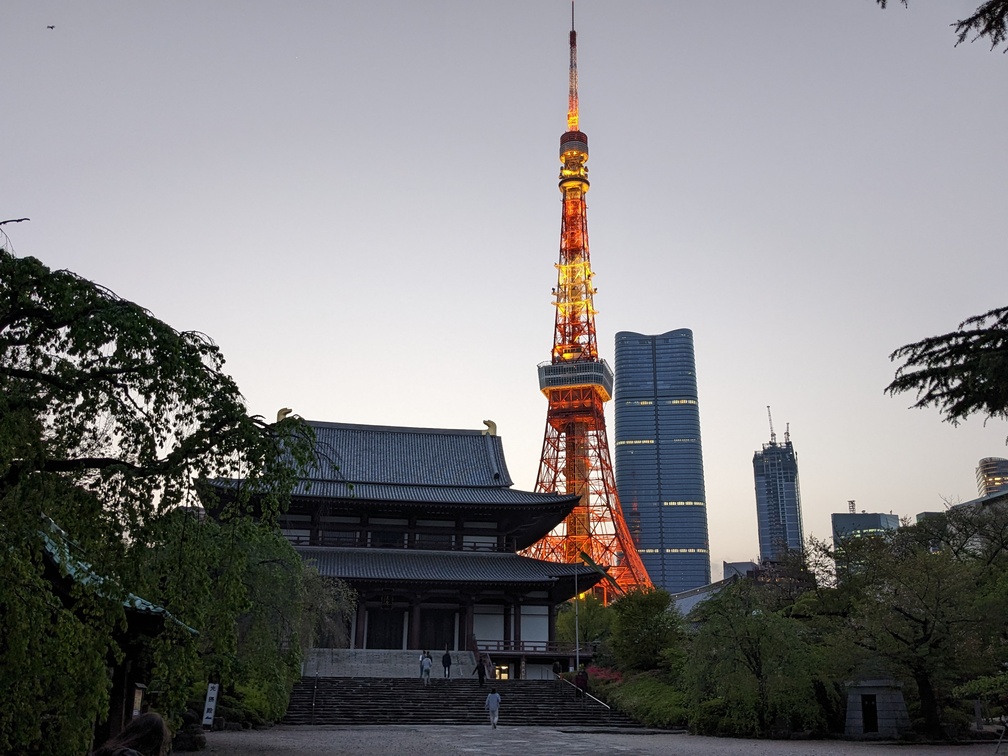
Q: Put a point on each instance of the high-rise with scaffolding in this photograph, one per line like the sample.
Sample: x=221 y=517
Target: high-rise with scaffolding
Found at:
x=575 y=455
x=778 y=498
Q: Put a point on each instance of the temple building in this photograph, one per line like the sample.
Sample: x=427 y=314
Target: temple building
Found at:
x=424 y=524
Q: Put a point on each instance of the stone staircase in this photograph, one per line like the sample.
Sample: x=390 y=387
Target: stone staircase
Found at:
x=376 y=701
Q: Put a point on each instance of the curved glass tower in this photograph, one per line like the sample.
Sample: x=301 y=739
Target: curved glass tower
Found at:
x=659 y=460
x=992 y=475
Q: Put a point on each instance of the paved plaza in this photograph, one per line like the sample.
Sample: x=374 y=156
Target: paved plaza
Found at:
x=538 y=741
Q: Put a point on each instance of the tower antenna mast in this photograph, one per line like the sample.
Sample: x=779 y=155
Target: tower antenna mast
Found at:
x=572 y=93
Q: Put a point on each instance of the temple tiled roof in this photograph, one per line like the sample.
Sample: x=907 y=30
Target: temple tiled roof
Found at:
x=408 y=456
x=450 y=567
x=429 y=494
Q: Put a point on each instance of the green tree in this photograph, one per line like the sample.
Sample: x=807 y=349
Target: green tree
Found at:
x=107 y=417
x=751 y=666
x=647 y=630
x=989 y=20
x=920 y=605
x=961 y=373
x=594 y=621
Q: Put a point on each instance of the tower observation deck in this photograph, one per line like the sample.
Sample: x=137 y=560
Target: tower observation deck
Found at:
x=575 y=454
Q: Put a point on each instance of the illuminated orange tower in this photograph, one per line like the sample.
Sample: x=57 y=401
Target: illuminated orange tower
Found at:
x=575 y=455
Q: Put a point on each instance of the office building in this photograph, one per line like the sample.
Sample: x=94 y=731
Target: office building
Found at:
x=992 y=476
x=849 y=525
x=658 y=456
x=778 y=499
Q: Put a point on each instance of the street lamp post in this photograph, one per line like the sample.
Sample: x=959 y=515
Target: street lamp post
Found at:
x=577 y=631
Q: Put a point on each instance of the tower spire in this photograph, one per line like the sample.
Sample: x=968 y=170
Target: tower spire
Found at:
x=572 y=96
x=576 y=383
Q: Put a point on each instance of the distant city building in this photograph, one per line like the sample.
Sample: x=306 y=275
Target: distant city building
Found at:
x=739 y=569
x=778 y=499
x=992 y=476
x=856 y=524
x=658 y=456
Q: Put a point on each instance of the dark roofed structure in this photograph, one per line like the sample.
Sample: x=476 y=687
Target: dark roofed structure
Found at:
x=428 y=457
x=425 y=525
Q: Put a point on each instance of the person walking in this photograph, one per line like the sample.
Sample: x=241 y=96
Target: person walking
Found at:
x=492 y=705
x=581 y=681
x=480 y=671
x=422 y=655
x=425 y=667
x=446 y=663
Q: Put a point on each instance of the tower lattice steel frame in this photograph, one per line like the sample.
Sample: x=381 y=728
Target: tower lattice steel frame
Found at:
x=575 y=455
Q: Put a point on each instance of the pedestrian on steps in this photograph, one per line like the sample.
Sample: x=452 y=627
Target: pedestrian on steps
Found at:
x=422 y=655
x=581 y=681
x=425 y=667
x=492 y=705
x=480 y=671
x=446 y=663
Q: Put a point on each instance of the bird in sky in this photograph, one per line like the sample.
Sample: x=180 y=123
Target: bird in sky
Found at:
x=50 y=27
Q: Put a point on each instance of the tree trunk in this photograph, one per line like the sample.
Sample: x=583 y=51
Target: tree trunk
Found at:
x=928 y=705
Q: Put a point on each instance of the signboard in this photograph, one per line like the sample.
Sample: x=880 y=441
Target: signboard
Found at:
x=211 y=704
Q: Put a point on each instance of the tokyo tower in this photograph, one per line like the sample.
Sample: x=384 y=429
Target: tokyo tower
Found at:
x=575 y=454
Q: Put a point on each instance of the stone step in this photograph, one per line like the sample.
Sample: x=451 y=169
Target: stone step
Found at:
x=333 y=700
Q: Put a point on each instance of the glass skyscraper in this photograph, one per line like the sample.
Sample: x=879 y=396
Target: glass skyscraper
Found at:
x=658 y=457
x=778 y=499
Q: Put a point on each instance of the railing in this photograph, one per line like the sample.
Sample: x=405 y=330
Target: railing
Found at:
x=314 y=691
x=577 y=690
x=361 y=543
x=534 y=647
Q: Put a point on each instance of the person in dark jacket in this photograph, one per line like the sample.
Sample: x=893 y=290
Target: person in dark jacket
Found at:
x=145 y=735
x=480 y=671
x=581 y=681
x=446 y=663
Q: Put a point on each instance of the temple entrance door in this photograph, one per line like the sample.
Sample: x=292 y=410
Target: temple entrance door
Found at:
x=385 y=628
x=437 y=629
x=869 y=713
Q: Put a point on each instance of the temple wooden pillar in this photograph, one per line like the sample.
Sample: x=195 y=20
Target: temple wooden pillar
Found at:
x=508 y=614
x=551 y=623
x=361 y=623
x=414 y=630
x=517 y=624
x=468 y=625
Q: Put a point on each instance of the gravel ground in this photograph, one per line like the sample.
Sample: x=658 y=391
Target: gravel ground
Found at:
x=404 y=740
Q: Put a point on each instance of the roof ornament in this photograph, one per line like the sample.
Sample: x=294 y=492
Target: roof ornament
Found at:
x=491 y=428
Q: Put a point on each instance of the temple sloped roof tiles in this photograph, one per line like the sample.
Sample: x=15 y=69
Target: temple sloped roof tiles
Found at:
x=408 y=456
x=426 y=494
x=414 y=565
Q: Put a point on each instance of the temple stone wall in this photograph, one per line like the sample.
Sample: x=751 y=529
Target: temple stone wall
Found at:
x=356 y=662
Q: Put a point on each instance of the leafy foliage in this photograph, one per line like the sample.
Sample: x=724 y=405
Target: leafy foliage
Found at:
x=989 y=20
x=652 y=699
x=925 y=604
x=962 y=373
x=107 y=417
x=645 y=627
x=756 y=661
x=594 y=621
